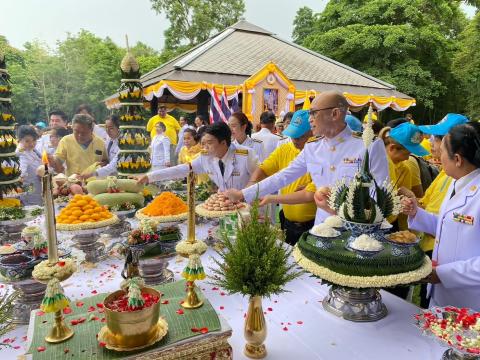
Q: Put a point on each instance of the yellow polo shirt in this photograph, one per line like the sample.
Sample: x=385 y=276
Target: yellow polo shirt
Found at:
x=412 y=164
x=172 y=125
x=188 y=155
x=403 y=178
x=76 y=158
x=278 y=160
x=431 y=202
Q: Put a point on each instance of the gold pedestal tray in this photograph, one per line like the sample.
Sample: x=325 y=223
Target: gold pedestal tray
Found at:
x=118 y=342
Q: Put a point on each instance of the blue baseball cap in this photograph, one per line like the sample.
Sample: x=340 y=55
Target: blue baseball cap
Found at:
x=353 y=123
x=299 y=124
x=410 y=137
x=41 y=125
x=443 y=126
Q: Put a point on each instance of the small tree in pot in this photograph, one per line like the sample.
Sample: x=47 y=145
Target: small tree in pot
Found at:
x=255 y=264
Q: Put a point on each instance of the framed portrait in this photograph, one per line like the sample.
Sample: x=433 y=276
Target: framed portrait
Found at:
x=270 y=100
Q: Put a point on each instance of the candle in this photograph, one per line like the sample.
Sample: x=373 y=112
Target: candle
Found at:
x=191 y=206
x=49 y=212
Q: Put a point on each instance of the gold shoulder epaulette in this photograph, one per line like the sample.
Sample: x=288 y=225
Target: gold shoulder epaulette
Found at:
x=357 y=134
x=280 y=136
x=204 y=152
x=241 y=151
x=257 y=140
x=314 y=138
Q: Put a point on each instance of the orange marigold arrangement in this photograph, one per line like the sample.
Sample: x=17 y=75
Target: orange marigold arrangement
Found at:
x=83 y=209
x=165 y=204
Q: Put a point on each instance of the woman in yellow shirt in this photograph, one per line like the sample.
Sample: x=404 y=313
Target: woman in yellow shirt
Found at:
x=400 y=142
x=191 y=150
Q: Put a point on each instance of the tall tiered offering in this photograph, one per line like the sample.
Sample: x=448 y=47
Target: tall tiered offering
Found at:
x=134 y=158
x=351 y=250
x=9 y=162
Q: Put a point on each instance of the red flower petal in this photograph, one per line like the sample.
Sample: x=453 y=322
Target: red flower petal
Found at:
x=269 y=309
x=94 y=292
x=222 y=294
x=300 y=322
x=40 y=313
x=165 y=302
x=24 y=338
x=100 y=305
x=74 y=322
x=61 y=263
x=195 y=330
x=102 y=344
x=204 y=330
x=66 y=351
x=214 y=288
x=67 y=311
x=179 y=312
x=81 y=320
x=91 y=308
x=285 y=329
x=16 y=347
x=221 y=307
x=41 y=348
x=103 y=320
x=79 y=304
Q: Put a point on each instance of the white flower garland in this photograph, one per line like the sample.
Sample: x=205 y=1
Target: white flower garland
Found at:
x=44 y=272
x=368 y=134
x=187 y=248
x=363 y=281
x=349 y=200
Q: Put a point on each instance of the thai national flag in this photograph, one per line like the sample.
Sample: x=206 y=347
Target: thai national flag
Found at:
x=216 y=113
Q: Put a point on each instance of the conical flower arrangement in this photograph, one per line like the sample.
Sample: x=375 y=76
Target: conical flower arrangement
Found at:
x=9 y=162
x=134 y=157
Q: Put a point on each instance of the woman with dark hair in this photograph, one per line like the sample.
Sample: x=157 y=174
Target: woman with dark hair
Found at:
x=241 y=129
x=200 y=121
x=455 y=277
x=190 y=150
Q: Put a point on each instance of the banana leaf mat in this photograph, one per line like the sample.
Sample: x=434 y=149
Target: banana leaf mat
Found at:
x=88 y=318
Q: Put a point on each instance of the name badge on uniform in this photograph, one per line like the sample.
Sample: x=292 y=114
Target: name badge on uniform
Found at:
x=235 y=173
x=464 y=219
x=352 y=160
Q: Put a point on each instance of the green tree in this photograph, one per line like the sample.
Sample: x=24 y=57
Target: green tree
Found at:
x=194 y=21
x=467 y=66
x=409 y=43
x=303 y=24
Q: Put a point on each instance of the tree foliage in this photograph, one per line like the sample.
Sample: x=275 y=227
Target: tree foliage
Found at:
x=467 y=66
x=409 y=43
x=303 y=24
x=194 y=21
x=81 y=69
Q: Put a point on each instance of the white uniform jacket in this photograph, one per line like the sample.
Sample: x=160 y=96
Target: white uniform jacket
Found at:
x=327 y=161
x=457 y=246
x=112 y=152
x=239 y=163
x=255 y=145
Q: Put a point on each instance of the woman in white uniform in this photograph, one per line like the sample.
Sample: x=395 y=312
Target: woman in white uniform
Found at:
x=455 y=279
x=241 y=129
x=30 y=160
x=160 y=148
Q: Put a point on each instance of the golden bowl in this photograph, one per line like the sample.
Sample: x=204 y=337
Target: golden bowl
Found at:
x=132 y=329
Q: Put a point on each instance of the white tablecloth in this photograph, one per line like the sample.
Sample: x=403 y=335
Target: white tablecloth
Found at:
x=298 y=327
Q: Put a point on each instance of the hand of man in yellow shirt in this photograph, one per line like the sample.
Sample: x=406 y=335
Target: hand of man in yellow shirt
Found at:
x=321 y=197
x=142 y=179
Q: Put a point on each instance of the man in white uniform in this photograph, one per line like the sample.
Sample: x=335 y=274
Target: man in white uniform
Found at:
x=336 y=153
x=266 y=135
x=227 y=165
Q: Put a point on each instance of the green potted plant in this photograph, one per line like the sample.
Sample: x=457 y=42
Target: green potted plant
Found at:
x=254 y=264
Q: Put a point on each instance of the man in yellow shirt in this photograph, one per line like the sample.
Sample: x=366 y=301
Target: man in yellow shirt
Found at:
x=294 y=219
x=79 y=152
x=172 y=125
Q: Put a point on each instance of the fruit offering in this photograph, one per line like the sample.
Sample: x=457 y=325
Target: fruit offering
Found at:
x=164 y=208
x=84 y=212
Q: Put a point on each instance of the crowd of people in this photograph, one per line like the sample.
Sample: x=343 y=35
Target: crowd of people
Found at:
x=293 y=162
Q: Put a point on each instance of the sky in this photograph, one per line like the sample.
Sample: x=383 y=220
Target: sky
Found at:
x=51 y=20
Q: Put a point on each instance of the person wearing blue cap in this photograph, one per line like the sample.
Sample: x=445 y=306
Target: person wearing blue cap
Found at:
x=294 y=219
x=400 y=142
x=437 y=191
x=334 y=154
x=353 y=123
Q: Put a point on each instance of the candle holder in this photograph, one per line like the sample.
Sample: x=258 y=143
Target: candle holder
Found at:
x=53 y=271
x=193 y=249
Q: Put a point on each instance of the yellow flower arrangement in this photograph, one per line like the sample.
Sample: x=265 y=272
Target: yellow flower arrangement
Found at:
x=9 y=202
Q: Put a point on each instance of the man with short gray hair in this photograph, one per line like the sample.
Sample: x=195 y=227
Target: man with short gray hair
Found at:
x=79 y=151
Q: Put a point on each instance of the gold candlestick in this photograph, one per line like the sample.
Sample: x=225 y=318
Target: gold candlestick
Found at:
x=60 y=331
x=191 y=206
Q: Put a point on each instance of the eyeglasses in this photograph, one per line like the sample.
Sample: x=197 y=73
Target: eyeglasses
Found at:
x=312 y=112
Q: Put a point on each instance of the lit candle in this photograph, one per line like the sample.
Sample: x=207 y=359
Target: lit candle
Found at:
x=49 y=212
